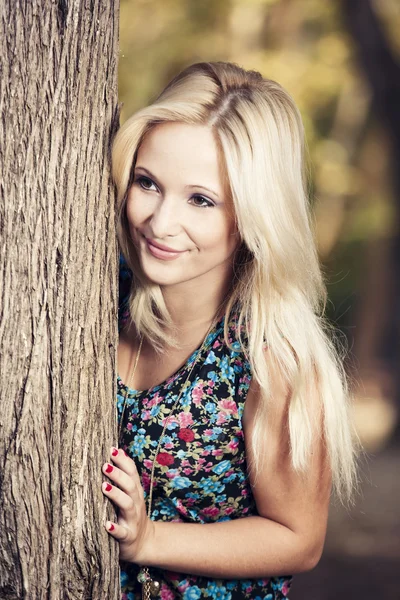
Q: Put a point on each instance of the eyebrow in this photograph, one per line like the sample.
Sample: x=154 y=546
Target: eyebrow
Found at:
x=150 y=174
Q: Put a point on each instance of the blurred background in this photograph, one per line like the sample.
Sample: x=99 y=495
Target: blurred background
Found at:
x=340 y=60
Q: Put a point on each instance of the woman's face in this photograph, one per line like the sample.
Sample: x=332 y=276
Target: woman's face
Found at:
x=179 y=211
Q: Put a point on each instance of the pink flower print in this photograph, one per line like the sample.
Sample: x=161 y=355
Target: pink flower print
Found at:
x=210 y=511
x=217 y=452
x=197 y=401
x=185 y=419
x=201 y=461
x=181 y=507
x=210 y=383
x=166 y=593
x=229 y=510
x=153 y=402
x=172 y=419
x=172 y=473
x=205 y=453
x=233 y=445
x=228 y=405
x=208 y=432
x=209 y=391
x=168 y=445
x=197 y=392
x=216 y=344
x=148 y=463
x=145 y=481
x=146 y=415
x=188 y=471
x=185 y=462
x=129 y=426
x=182 y=587
x=285 y=588
x=221 y=419
x=244 y=492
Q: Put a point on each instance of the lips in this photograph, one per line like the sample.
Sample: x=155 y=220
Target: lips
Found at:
x=162 y=252
x=162 y=247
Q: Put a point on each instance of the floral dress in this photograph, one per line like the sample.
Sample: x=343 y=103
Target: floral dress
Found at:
x=201 y=472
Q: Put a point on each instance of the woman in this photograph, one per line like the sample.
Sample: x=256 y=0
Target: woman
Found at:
x=232 y=400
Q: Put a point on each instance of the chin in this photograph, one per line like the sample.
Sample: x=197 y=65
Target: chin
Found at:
x=160 y=276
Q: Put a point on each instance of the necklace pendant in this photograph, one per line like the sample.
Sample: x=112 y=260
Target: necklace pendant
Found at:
x=154 y=587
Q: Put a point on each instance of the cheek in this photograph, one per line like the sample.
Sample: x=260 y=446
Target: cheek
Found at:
x=219 y=235
x=135 y=210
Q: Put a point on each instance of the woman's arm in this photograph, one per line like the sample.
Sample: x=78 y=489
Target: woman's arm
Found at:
x=286 y=538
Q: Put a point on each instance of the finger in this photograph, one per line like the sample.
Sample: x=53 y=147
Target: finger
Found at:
x=127 y=483
x=124 y=462
x=119 y=498
x=119 y=532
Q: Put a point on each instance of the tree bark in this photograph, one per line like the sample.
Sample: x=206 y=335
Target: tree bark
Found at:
x=58 y=297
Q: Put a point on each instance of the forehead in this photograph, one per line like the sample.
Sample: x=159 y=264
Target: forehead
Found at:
x=191 y=151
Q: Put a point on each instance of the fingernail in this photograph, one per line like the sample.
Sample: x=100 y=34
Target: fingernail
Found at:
x=109 y=468
x=108 y=487
x=114 y=452
x=111 y=527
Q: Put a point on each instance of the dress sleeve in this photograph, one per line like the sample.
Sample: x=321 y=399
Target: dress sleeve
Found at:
x=125 y=280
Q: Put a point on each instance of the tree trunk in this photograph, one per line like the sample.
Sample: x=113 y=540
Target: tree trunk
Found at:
x=58 y=297
x=382 y=71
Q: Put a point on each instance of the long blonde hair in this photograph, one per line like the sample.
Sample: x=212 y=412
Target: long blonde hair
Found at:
x=278 y=282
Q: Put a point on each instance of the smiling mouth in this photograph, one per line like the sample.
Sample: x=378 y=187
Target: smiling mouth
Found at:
x=162 y=252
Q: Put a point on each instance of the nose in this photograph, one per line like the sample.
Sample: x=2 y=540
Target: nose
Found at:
x=165 y=220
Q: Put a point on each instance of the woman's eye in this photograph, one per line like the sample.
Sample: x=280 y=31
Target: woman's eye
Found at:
x=145 y=183
x=201 y=201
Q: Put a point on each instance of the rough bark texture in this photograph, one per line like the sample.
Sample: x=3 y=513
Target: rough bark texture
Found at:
x=58 y=294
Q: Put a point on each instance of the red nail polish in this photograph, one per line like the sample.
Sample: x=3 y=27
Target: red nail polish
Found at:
x=108 y=487
x=114 y=452
x=112 y=527
x=109 y=468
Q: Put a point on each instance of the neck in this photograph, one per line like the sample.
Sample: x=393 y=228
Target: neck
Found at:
x=193 y=306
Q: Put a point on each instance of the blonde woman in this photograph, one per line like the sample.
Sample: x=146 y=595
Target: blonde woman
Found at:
x=232 y=399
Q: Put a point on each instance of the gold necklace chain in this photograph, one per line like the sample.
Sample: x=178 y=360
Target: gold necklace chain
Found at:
x=151 y=587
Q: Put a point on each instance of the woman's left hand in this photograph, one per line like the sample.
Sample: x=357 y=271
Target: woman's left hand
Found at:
x=134 y=530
